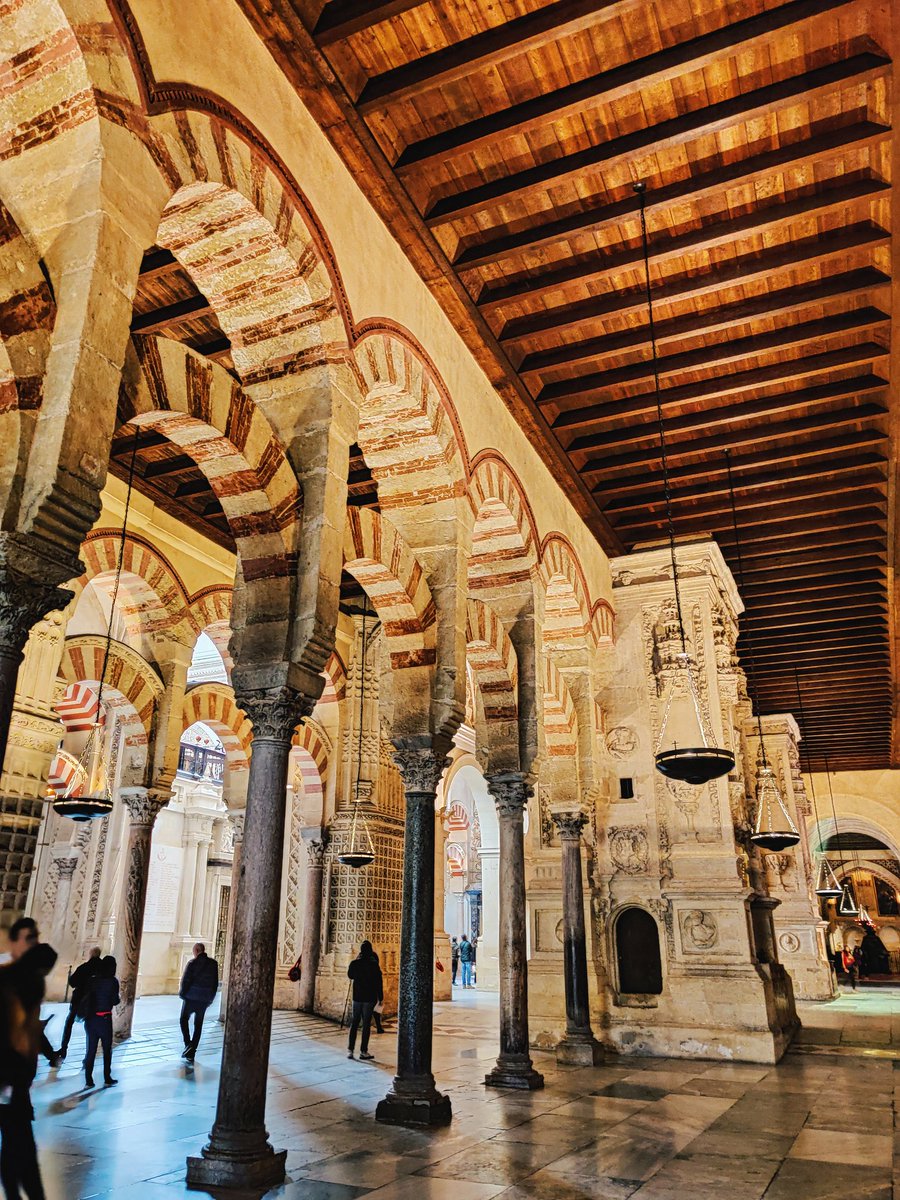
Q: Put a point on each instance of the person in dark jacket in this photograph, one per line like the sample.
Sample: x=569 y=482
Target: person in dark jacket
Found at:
x=78 y=980
x=368 y=990
x=21 y=993
x=199 y=985
x=100 y=998
x=466 y=958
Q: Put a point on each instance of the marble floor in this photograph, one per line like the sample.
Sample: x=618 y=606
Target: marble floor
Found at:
x=820 y=1126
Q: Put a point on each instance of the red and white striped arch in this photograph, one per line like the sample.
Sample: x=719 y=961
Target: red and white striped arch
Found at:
x=504 y=538
x=567 y=614
x=131 y=687
x=152 y=598
x=492 y=660
x=214 y=705
x=560 y=720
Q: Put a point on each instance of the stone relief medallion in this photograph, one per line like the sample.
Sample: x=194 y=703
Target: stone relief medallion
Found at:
x=789 y=942
x=699 y=931
x=560 y=931
x=629 y=849
x=621 y=741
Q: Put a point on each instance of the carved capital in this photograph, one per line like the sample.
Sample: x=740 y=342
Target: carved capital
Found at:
x=569 y=824
x=237 y=825
x=275 y=712
x=510 y=793
x=67 y=866
x=420 y=769
x=143 y=806
x=23 y=602
x=315 y=851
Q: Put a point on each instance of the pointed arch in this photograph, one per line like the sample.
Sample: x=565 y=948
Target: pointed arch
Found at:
x=153 y=598
x=504 y=540
x=560 y=719
x=492 y=658
x=567 y=611
x=130 y=680
x=214 y=705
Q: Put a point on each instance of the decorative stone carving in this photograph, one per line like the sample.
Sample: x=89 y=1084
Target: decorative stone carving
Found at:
x=237 y=826
x=66 y=866
x=699 y=931
x=570 y=825
x=629 y=849
x=622 y=741
x=23 y=602
x=315 y=851
x=275 y=712
x=420 y=768
x=143 y=806
x=789 y=942
x=510 y=794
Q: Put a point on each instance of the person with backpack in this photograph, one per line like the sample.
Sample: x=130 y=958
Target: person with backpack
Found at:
x=466 y=959
x=100 y=998
x=199 y=985
x=368 y=990
x=78 y=981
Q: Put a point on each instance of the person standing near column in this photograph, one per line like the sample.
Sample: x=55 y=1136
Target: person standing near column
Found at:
x=454 y=960
x=368 y=990
x=101 y=997
x=78 y=981
x=199 y=985
x=466 y=958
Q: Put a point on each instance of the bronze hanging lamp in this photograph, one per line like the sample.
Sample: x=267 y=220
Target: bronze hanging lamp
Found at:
x=847 y=906
x=360 y=850
x=827 y=885
x=88 y=795
x=699 y=763
x=774 y=829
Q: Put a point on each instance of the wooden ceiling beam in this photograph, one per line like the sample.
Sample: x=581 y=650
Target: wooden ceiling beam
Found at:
x=340 y=19
x=863 y=649
x=148 y=439
x=791 y=534
x=616 y=466
x=847 y=541
x=871 y=593
x=521 y=35
x=608 y=87
x=157 y=263
x=192 y=487
x=630 y=408
x=167 y=466
x=869 y=625
x=790 y=257
x=493 y=245
x=806 y=622
x=854 y=552
x=171 y=314
x=644 y=144
x=734 y=350
x=843 y=196
x=843 y=286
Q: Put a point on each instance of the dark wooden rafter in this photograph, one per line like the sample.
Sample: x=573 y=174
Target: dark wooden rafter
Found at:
x=342 y=18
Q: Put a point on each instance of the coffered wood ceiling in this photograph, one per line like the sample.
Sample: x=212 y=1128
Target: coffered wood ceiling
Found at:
x=500 y=139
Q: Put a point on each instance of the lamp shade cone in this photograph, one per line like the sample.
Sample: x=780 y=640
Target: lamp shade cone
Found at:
x=696 y=765
x=775 y=839
x=83 y=808
x=356 y=859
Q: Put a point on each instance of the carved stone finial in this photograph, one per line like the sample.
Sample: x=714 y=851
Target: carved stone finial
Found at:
x=569 y=824
x=420 y=768
x=510 y=793
x=275 y=712
x=143 y=805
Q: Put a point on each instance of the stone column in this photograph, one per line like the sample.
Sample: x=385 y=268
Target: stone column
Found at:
x=198 y=900
x=143 y=808
x=443 y=988
x=238 y=1154
x=413 y=1098
x=514 y=1068
x=66 y=865
x=192 y=838
x=23 y=601
x=312 y=919
x=237 y=821
x=579 y=1047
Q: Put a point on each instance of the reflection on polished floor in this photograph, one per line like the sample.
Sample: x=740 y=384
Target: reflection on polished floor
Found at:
x=820 y=1126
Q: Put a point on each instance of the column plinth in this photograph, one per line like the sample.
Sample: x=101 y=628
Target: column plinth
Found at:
x=514 y=1067
x=579 y=1047
x=414 y=1098
x=238 y=1154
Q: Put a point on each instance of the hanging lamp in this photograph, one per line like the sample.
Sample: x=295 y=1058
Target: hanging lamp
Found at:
x=827 y=885
x=360 y=850
x=847 y=907
x=697 y=764
x=88 y=795
x=773 y=829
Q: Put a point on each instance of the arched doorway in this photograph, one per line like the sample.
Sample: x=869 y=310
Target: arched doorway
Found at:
x=637 y=954
x=471 y=870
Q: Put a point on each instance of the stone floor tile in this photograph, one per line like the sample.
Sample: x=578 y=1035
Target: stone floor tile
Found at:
x=710 y=1086
x=627 y=1156
x=418 y=1187
x=799 y=1179
x=623 y=1090
x=308 y=1189
x=545 y=1186
x=705 y=1177
x=609 y=1109
x=361 y=1168
x=833 y=1146
x=495 y=1162
x=731 y=1144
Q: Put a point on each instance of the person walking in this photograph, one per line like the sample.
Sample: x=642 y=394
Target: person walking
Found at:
x=368 y=990
x=454 y=960
x=23 y=936
x=851 y=968
x=78 y=980
x=466 y=958
x=21 y=992
x=199 y=985
x=100 y=998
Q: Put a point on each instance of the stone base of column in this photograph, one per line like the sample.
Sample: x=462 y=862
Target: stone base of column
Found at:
x=514 y=1071
x=219 y=1167
x=579 y=1050
x=414 y=1102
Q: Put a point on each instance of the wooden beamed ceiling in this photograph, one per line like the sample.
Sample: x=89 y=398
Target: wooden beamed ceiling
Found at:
x=501 y=139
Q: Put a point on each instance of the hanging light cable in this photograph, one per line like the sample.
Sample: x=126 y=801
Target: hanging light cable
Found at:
x=827 y=885
x=88 y=793
x=690 y=764
x=847 y=906
x=773 y=829
x=360 y=850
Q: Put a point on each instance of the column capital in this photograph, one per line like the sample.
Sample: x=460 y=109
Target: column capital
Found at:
x=144 y=804
x=420 y=768
x=569 y=823
x=236 y=817
x=275 y=712
x=315 y=850
x=67 y=865
x=23 y=601
x=510 y=791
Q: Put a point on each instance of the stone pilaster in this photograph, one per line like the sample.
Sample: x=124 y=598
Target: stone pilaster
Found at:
x=237 y=823
x=66 y=863
x=514 y=1067
x=579 y=1047
x=413 y=1098
x=312 y=917
x=144 y=806
x=239 y=1154
x=443 y=987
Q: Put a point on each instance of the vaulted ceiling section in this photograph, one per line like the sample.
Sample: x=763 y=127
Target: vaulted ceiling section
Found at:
x=501 y=140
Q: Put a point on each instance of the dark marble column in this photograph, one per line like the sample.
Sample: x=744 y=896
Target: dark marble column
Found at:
x=143 y=808
x=413 y=1098
x=238 y=1154
x=579 y=1047
x=514 y=1068
x=237 y=823
x=23 y=602
x=312 y=920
